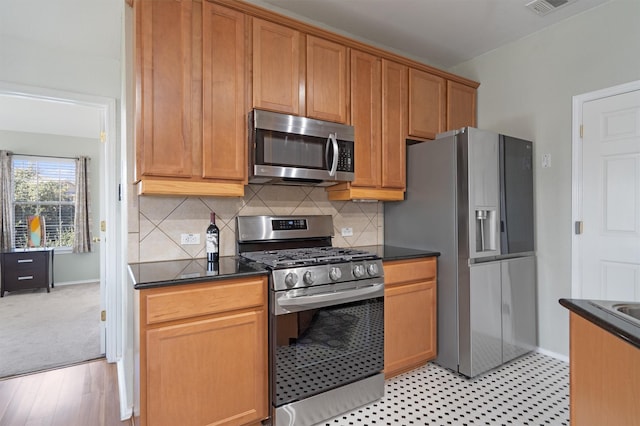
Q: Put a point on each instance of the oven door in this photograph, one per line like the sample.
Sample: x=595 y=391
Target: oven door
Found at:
x=325 y=337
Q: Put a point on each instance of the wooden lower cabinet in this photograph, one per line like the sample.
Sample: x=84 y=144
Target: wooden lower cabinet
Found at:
x=604 y=377
x=203 y=354
x=410 y=329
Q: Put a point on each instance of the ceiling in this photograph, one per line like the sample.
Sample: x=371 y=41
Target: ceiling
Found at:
x=442 y=33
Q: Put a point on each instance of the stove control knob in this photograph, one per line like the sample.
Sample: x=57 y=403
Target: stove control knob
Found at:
x=308 y=277
x=291 y=279
x=358 y=271
x=335 y=274
x=372 y=269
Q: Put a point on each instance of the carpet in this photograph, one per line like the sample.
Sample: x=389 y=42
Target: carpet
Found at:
x=40 y=330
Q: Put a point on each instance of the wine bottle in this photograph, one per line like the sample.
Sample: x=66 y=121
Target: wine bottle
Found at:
x=212 y=244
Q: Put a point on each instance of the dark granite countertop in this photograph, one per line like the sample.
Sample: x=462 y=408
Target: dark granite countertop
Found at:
x=189 y=271
x=398 y=253
x=601 y=317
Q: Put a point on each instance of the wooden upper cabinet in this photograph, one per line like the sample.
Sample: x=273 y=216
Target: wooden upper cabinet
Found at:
x=163 y=88
x=278 y=68
x=224 y=109
x=394 y=124
x=427 y=98
x=378 y=113
x=327 y=83
x=461 y=105
x=366 y=97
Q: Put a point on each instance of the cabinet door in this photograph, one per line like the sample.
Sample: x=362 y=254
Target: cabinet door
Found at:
x=366 y=94
x=212 y=371
x=409 y=326
x=278 y=67
x=326 y=80
x=224 y=104
x=394 y=124
x=426 y=104
x=163 y=89
x=461 y=106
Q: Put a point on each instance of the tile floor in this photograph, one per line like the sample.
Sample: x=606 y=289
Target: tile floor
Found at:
x=531 y=390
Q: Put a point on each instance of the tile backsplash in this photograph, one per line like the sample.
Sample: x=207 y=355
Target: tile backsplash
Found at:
x=154 y=232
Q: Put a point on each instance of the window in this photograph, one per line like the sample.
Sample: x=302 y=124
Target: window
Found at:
x=46 y=187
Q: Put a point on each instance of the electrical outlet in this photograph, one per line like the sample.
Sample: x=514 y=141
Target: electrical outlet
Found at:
x=346 y=232
x=546 y=161
x=187 y=239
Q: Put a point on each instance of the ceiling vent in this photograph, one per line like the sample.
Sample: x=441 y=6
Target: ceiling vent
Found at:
x=543 y=7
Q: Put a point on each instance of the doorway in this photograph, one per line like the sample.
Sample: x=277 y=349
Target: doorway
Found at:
x=606 y=194
x=58 y=109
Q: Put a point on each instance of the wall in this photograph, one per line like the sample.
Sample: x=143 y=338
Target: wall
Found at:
x=68 y=267
x=526 y=91
x=157 y=224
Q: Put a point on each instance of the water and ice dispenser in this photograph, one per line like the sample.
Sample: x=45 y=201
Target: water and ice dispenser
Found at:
x=486 y=230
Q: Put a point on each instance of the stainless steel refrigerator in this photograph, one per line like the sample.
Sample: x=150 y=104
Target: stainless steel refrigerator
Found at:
x=470 y=196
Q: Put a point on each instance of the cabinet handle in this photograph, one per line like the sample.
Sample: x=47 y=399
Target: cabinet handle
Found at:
x=26 y=277
x=25 y=260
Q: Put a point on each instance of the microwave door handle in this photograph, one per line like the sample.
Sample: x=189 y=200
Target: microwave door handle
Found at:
x=334 y=143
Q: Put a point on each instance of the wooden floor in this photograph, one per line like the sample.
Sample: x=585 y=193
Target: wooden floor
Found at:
x=81 y=395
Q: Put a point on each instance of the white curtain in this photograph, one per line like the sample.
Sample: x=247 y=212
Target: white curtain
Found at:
x=6 y=207
x=82 y=218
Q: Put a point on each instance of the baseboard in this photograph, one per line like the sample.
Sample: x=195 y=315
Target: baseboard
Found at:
x=126 y=410
x=555 y=355
x=91 y=281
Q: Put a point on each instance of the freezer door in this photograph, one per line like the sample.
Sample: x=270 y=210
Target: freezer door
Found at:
x=484 y=193
x=481 y=343
x=519 y=321
x=516 y=195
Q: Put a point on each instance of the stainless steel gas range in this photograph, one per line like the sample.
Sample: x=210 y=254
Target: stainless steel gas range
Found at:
x=326 y=322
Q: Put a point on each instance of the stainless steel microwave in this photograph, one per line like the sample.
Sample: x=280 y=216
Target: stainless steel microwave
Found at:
x=287 y=149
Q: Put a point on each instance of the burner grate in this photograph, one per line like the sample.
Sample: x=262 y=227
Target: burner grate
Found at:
x=307 y=256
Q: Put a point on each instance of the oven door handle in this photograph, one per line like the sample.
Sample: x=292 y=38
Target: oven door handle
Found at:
x=287 y=304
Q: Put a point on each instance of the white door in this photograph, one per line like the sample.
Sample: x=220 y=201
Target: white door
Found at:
x=609 y=247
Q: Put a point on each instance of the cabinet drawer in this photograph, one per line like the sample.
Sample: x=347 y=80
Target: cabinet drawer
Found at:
x=402 y=271
x=185 y=301
x=16 y=280
x=23 y=266
x=24 y=261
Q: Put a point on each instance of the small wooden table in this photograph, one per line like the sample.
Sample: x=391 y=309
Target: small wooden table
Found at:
x=26 y=268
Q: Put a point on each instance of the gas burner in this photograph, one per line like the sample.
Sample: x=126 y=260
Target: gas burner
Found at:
x=303 y=258
x=306 y=256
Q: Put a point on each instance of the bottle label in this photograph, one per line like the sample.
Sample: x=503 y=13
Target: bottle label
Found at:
x=212 y=243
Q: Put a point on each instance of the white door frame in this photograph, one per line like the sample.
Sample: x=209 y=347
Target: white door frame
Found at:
x=576 y=174
x=111 y=261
